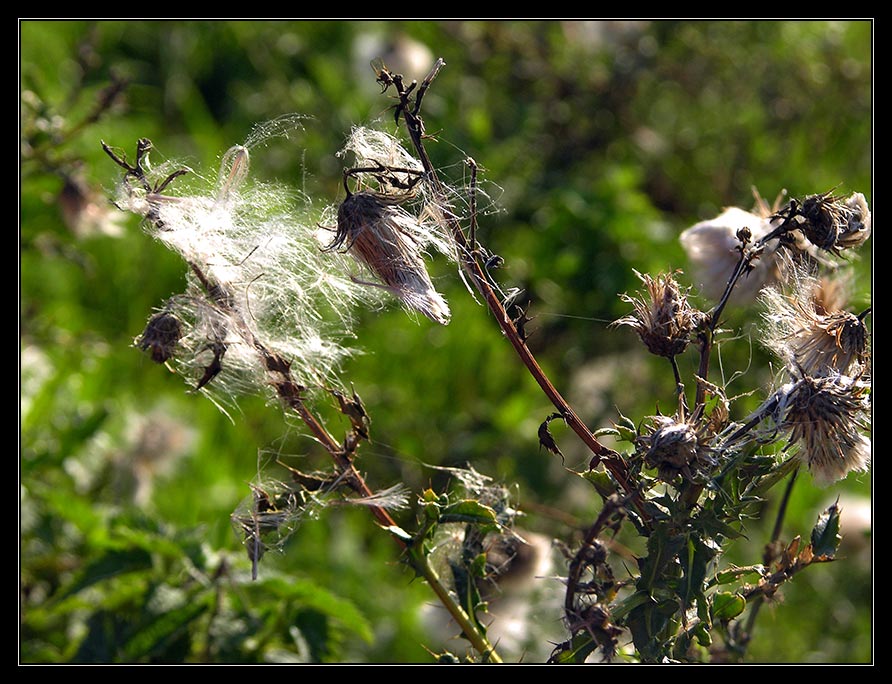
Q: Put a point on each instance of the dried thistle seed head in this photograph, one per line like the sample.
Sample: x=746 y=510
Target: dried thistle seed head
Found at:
x=382 y=236
x=675 y=447
x=663 y=318
x=832 y=224
x=161 y=336
x=804 y=333
x=858 y=224
x=827 y=417
x=713 y=248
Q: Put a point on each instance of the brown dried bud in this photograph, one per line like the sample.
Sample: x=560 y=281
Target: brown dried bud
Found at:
x=662 y=318
x=161 y=336
x=834 y=225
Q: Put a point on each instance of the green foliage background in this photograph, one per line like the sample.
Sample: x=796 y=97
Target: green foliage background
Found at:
x=599 y=143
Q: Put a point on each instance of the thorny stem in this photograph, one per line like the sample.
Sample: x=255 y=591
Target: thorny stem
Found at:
x=421 y=564
x=468 y=255
x=612 y=507
x=417 y=558
x=747 y=635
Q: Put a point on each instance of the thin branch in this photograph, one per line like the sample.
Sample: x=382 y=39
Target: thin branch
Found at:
x=415 y=126
x=278 y=371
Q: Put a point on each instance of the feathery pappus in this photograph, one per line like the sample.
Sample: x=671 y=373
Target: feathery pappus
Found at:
x=376 y=231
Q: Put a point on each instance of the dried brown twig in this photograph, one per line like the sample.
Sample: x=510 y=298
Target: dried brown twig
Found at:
x=409 y=109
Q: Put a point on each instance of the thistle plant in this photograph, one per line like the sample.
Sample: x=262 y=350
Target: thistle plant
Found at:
x=270 y=307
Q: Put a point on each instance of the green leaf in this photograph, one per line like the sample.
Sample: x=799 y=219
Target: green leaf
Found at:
x=694 y=561
x=151 y=638
x=662 y=549
x=766 y=482
x=574 y=652
x=468 y=511
x=110 y=564
x=710 y=522
x=731 y=574
x=308 y=594
x=646 y=622
x=727 y=606
x=621 y=608
x=701 y=632
x=601 y=480
x=825 y=536
x=477 y=567
x=626 y=426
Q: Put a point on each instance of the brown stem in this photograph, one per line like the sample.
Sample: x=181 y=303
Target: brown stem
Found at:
x=706 y=337
x=468 y=257
x=279 y=373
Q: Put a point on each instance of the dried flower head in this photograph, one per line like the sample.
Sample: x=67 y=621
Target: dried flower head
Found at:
x=804 y=333
x=375 y=227
x=663 y=318
x=677 y=447
x=381 y=235
x=713 y=248
x=830 y=223
x=827 y=417
x=255 y=273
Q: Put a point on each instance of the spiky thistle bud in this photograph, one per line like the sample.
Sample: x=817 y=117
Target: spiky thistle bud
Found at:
x=676 y=447
x=663 y=318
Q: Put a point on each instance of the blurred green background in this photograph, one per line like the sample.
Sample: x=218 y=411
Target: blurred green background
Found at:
x=599 y=142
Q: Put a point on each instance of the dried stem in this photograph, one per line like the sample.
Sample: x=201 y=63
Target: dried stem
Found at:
x=278 y=371
x=706 y=336
x=469 y=261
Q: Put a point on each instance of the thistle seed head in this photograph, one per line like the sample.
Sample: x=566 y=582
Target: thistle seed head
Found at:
x=663 y=318
x=375 y=230
x=827 y=417
x=713 y=249
x=806 y=335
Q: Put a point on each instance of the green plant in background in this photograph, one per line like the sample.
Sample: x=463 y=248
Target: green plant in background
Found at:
x=248 y=319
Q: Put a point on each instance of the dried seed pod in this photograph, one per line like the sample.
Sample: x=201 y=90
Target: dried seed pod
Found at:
x=161 y=336
x=827 y=417
x=662 y=318
x=813 y=339
x=381 y=235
